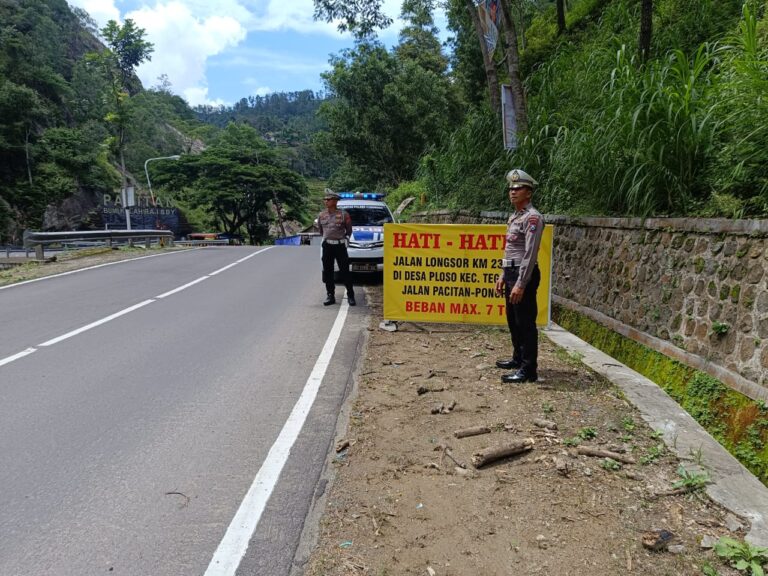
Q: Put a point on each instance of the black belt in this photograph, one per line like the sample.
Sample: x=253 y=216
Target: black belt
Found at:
x=334 y=242
x=513 y=266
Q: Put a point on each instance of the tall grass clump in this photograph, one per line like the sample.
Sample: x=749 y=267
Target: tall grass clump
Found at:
x=684 y=133
x=655 y=131
x=739 y=170
x=467 y=169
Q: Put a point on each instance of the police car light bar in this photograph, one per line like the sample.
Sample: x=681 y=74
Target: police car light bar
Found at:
x=361 y=195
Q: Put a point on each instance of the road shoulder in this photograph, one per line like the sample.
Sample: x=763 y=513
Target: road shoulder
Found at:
x=399 y=504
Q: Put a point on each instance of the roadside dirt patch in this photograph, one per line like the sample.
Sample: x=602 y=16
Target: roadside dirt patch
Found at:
x=399 y=504
x=68 y=261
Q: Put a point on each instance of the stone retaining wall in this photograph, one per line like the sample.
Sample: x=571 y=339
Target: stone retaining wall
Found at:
x=700 y=285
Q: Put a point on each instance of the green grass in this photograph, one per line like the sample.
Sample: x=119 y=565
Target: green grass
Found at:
x=737 y=422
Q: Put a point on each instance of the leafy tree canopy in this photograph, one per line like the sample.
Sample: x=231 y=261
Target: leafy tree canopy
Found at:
x=237 y=179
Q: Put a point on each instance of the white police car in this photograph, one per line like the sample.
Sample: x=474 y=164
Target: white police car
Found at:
x=366 y=245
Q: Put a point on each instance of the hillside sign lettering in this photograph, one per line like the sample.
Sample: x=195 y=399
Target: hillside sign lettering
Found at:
x=160 y=214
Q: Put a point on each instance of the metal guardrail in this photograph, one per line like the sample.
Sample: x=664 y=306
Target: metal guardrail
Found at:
x=38 y=240
x=202 y=242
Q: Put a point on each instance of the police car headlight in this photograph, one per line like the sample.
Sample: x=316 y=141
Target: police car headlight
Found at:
x=365 y=245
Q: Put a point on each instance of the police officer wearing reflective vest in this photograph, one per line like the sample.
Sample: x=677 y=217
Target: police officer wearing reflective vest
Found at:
x=520 y=279
x=335 y=227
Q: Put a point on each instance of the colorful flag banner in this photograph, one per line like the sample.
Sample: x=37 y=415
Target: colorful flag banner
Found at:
x=490 y=18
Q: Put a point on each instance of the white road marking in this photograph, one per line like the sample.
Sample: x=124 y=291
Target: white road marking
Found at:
x=236 y=262
x=10 y=359
x=180 y=288
x=254 y=254
x=128 y=310
x=233 y=546
x=227 y=267
x=94 y=267
x=97 y=323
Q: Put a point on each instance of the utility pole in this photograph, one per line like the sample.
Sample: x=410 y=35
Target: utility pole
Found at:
x=279 y=213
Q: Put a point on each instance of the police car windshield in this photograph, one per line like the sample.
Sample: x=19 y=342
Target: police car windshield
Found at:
x=368 y=215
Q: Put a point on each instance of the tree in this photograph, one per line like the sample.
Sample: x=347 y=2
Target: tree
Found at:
x=513 y=67
x=418 y=38
x=127 y=49
x=235 y=180
x=385 y=112
x=361 y=17
x=560 y=16
x=466 y=60
x=490 y=67
x=646 y=29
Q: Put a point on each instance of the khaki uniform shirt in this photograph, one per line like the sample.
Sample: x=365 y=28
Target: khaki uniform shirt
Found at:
x=524 y=230
x=335 y=225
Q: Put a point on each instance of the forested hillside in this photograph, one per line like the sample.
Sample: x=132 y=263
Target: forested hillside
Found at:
x=76 y=126
x=287 y=120
x=626 y=107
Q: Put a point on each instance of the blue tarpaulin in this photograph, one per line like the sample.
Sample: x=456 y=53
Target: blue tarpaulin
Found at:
x=289 y=241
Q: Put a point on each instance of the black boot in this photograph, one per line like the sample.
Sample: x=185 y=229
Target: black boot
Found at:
x=519 y=377
x=351 y=298
x=330 y=299
x=511 y=364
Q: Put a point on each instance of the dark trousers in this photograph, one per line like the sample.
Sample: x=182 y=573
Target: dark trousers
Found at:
x=337 y=252
x=521 y=319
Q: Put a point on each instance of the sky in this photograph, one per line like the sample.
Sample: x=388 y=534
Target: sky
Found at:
x=219 y=51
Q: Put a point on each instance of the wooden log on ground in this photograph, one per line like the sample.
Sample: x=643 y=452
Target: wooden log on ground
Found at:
x=590 y=451
x=448 y=409
x=474 y=431
x=490 y=455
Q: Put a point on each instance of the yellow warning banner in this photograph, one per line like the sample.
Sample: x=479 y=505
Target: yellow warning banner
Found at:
x=448 y=272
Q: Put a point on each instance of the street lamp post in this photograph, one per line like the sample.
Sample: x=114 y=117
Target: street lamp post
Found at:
x=149 y=184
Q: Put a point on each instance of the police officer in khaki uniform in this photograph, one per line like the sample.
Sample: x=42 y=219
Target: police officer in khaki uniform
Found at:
x=335 y=227
x=520 y=279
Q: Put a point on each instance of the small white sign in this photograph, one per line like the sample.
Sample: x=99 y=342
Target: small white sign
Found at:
x=508 y=117
x=128 y=197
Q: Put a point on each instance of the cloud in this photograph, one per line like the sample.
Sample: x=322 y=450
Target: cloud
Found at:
x=298 y=15
x=183 y=43
x=198 y=95
x=265 y=59
x=190 y=36
x=102 y=11
x=185 y=34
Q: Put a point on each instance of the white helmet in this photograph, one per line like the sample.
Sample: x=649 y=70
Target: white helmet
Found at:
x=518 y=178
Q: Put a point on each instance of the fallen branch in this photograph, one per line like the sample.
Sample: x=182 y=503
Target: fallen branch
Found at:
x=489 y=455
x=423 y=390
x=474 y=431
x=676 y=491
x=446 y=451
x=596 y=452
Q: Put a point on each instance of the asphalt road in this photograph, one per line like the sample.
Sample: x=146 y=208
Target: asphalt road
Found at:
x=129 y=447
